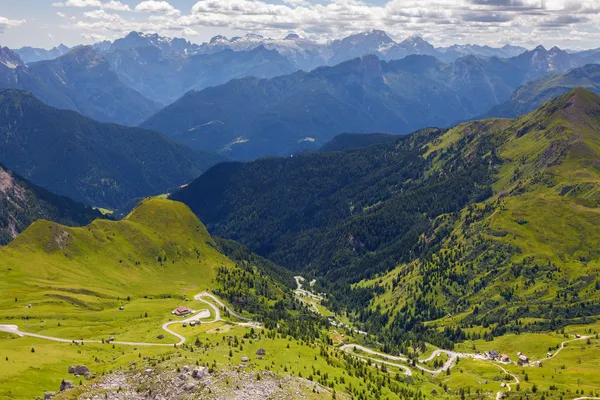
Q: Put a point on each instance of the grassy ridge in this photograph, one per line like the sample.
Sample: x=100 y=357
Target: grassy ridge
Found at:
x=80 y=276
x=530 y=250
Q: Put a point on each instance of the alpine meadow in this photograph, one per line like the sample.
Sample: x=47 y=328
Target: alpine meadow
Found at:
x=337 y=200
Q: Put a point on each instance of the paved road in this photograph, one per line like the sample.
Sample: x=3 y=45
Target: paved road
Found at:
x=452 y=357
x=220 y=303
x=300 y=291
x=200 y=315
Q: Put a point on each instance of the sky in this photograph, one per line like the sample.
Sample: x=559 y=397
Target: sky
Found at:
x=573 y=24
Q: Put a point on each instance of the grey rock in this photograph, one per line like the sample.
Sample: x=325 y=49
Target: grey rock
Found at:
x=49 y=396
x=245 y=359
x=199 y=373
x=66 y=385
x=79 y=370
x=189 y=387
x=149 y=371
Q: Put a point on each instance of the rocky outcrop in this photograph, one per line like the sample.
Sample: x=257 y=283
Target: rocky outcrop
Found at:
x=79 y=370
x=66 y=385
x=199 y=373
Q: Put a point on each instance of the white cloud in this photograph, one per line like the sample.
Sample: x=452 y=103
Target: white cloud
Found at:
x=103 y=15
x=61 y=15
x=10 y=23
x=78 y=3
x=442 y=22
x=157 y=7
x=94 y=37
x=116 y=6
x=110 y=5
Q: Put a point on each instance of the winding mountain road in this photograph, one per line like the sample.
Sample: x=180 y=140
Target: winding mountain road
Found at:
x=198 y=316
x=452 y=358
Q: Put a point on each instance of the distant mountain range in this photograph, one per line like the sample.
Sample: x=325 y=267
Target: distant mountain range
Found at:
x=81 y=80
x=103 y=165
x=303 y=53
x=32 y=54
x=22 y=203
x=307 y=54
x=250 y=118
x=415 y=85
x=164 y=71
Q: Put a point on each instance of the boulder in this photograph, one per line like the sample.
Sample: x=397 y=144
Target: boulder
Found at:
x=186 y=368
x=149 y=371
x=245 y=359
x=189 y=387
x=199 y=373
x=261 y=352
x=49 y=396
x=66 y=385
x=79 y=370
x=160 y=337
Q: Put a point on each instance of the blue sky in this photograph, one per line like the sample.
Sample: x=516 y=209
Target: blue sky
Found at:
x=46 y=23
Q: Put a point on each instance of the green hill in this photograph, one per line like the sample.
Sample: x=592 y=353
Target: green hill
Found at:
x=22 y=203
x=493 y=222
x=159 y=249
x=102 y=165
x=153 y=258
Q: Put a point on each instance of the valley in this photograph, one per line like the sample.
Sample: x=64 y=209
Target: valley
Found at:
x=285 y=202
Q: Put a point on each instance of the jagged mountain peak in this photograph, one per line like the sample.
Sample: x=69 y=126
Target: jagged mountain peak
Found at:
x=10 y=59
x=414 y=39
x=218 y=39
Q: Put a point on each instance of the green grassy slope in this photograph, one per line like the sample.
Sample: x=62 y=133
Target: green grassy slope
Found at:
x=526 y=258
x=80 y=276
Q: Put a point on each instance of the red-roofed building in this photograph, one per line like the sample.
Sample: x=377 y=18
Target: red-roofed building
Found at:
x=181 y=311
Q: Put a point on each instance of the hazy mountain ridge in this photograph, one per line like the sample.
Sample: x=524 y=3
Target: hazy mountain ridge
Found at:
x=33 y=54
x=362 y=95
x=165 y=77
x=83 y=81
x=99 y=164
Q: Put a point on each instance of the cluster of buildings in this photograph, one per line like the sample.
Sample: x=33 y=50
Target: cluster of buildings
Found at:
x=494 y=355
